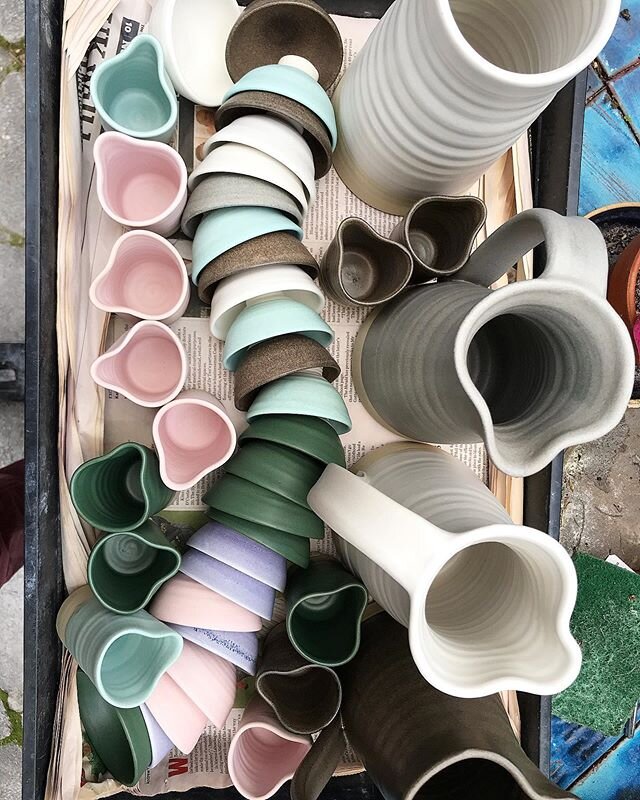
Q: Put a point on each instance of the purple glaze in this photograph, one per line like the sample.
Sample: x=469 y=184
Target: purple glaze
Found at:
x=161 y=744
x=240 y=649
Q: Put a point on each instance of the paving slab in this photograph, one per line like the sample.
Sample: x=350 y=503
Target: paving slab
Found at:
x=12 y=283
x=12 y=157
x=11 y=610
x=12 y=19
x=10 y=772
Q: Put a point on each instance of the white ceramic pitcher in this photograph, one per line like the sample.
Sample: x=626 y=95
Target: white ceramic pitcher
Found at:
x=487 y=603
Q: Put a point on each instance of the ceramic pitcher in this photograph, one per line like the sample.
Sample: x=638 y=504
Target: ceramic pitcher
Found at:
x=487 y=603
x=442 y=88
x=529 y=369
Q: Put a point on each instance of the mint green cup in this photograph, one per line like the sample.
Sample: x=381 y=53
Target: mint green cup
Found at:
x=124 y=655
x=126 y=569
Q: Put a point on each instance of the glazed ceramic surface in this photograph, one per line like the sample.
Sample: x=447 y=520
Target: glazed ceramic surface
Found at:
x=183 y=728
x=623 y=281
x=193 y=35
x=314 y=437
x=273 y=317
x=229 y=582
x=442 y=89
x=147 y=365
x=238 y=648
x=193 y=436
x=120 y=490
x=325 y=604
x=439 y=232
x=263 y=755
x=293 y=83
x=221 y=230
x=416 y=742
x=274 y=137
x=529 y=369
x=305 y=394
x=144 y=278
x=362 y=268
x=305 y=697
x=161 y=744
x=487 y=603
x=219 y=190
x=132 y=92
x=271 y=29
x=184 y=601
x=117 y=735
x=235 y=293
x=123 y=655
x=126 y=569
x=208 y=680
x=140 y=184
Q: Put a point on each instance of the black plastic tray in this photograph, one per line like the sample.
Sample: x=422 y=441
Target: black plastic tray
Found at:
x=556 y=144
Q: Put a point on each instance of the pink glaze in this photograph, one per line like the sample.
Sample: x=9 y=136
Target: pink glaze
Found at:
x=207 y=679
x=177 y=715
x=183 y=601
x=140 y=184
x=147 y=365
x=145 y=278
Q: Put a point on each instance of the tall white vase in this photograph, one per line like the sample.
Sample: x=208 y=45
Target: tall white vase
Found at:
x=443 y=88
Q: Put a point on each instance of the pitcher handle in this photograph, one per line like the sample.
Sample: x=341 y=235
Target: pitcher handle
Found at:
x=575 y=250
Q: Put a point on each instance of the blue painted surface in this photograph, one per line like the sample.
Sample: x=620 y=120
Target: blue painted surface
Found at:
x=623 y=45
x=617 y=777
x=575 y=749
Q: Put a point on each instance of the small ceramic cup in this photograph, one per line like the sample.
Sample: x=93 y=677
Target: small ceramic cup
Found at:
x=229 y=582
x=268 y=319
x=439 y=232
x=286 y=472
x=161 y=744
x=140 y=184
x=221 y=230
x=305 y=697
x=132 y=92
x=621 y=291
x=118 y=736
x=180 y=718
x=263 y=755
x=239 y=648
x=362 y=268
x=306 y=394
x=270 y=29
x=123 y=655
x=126 y=569
x=183 y=601
x=243 y=554
x=267 y=361
x=249 y=501
x=325 y=604
x=208 y=681
x=294 y=548
x=144 y=278
x=308 y=435
x=147 y=365
x=235 y=293
x=118 y=491
x=193 y=436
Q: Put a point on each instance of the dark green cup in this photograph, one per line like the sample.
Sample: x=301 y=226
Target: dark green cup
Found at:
x=118 y=735
x=309 y=435
x=279 y=469
x=125 y=570
x=118 y=491
x=249 y=501
x=325 y=604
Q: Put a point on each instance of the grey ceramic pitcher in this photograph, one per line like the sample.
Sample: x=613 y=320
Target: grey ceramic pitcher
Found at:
x=529 y=369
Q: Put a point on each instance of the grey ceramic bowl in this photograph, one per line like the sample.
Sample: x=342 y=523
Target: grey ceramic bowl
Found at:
x=222 y=190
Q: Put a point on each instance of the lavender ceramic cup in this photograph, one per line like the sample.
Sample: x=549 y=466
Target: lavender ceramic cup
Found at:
x=240 y=649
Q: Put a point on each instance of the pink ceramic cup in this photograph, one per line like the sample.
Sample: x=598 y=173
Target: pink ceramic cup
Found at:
x=208 y=680
x=147 y=365
x=184 y=601
x=177 y=715
x=145 y=278
x=263 y=754
x=193 y=436
x=140 y=184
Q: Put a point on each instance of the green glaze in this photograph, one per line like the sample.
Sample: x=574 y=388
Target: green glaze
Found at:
x=117 y=735
x=325 y=604
x=293 y=548
x=278 y=469
x=120 y=490
x=249 y=501
x=125 y=570
x=309 y=435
